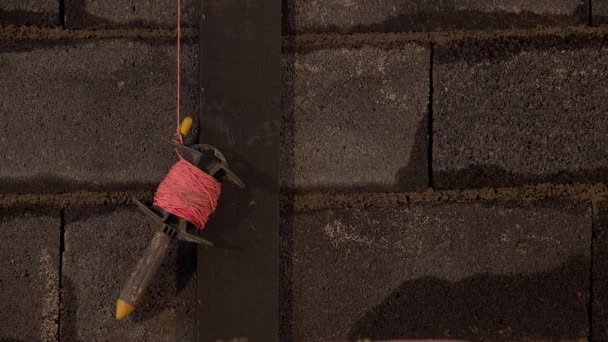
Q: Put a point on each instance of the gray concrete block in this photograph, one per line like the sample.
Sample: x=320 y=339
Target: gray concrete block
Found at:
x=90 y=115
x=355 y=118
x=29 y=12
x=138 y=13
x=599 y=312
x=599 y=12
x=416 y=15
x=518 y=112
x=492 y=272
x=29 y=275
x=101 y=248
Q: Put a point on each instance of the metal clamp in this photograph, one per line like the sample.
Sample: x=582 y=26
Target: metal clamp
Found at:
x=210 y=160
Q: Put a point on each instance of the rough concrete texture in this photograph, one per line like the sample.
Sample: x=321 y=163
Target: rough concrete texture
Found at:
x=600 y=12
x=29 y=275
x=101 y=248
x=29 y=12
x=355 y=118
x=503 y=271
x=137 y=13
x=423 y=15
x=515 y=112
x=91 y=115
x=600 y=273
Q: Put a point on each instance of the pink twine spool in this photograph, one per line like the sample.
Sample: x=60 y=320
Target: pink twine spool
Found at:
x=189 y=193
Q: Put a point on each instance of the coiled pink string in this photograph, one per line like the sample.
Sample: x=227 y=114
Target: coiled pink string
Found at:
x=187 y=192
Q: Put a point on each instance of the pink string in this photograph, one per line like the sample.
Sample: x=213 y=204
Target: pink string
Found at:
x=189 y=193
x=179 y=43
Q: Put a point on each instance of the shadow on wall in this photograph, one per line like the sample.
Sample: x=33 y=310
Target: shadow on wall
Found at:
x=29 y=18
x=476 y=51
x=546 y=306
x=165 y=292
x=286 y=220
x=480 y=176
x=436 y=16
x=68 y=308
x=475 y=176
x=490 y=175
x=286 y=276
x=75 y=11
x=48 y=183
x=76 y=16
x=413 y=176
x=172 y=291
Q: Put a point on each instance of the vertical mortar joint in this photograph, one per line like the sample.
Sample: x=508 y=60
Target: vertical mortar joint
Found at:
x=430 y=119
x=590 y=13
x=61 y=250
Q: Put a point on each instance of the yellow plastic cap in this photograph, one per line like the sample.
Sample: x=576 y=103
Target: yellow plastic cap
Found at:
x=185 y=126
x=123 y=309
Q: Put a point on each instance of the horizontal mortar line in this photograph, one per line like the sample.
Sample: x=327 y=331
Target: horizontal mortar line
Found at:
x=305 y=40
x=310 y=41
x=70 y=199
x=57 y=33
x=318 y=201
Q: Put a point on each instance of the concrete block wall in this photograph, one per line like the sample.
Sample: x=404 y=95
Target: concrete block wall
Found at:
x=96 y=115
x=488 y=271
x=87 y=107
x=421 y=15
x=346 y=109
x=443 y=169
x=30 y=274
x=112 y=239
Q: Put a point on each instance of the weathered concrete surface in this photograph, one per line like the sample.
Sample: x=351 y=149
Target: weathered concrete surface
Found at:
x=29 y=275
x=600 y=12
x=138 y=13
x=422 y=15
x=29 y=12
x=600 y=272
x=90 y=115
x=502 y=271
x=101 y=248
x=519 y=112
x=355 y=119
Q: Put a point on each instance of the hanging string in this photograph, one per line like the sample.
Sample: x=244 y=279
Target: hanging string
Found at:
x=187 y=191
x=178 y=55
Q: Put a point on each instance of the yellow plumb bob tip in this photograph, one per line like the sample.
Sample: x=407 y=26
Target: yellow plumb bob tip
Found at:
x=123 y=309
x=185 y=126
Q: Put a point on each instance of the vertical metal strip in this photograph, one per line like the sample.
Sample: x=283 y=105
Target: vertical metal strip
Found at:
x=240 y=46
